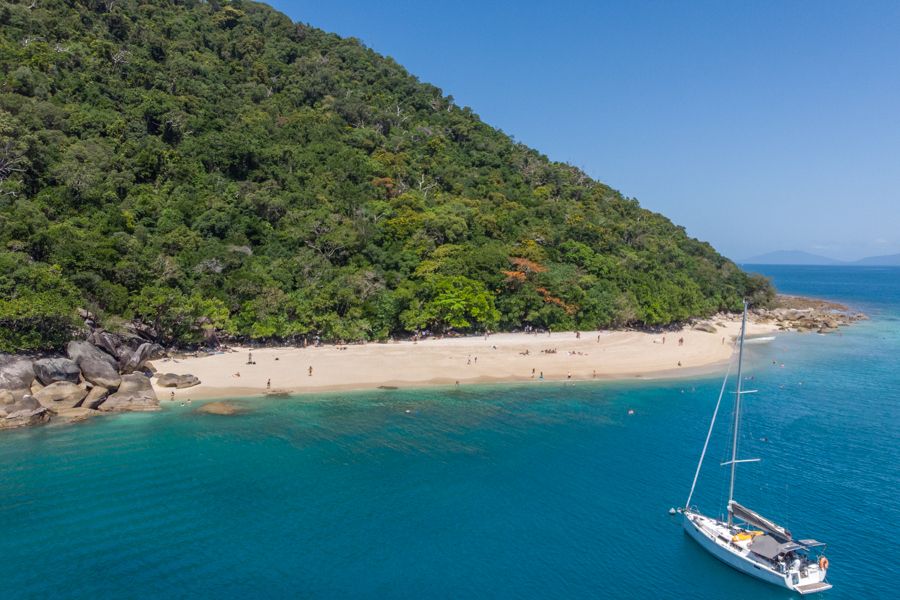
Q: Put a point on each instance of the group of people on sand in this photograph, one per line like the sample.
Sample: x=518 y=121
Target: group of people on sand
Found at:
x=250 y=361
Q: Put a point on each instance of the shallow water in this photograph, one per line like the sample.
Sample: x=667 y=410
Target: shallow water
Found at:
x=526 y=491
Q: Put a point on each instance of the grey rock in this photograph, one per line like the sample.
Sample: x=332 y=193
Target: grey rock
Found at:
x=50 y=370
x=76 y=415
x=6 y=398
x=95 y=397
x=140 y=330
x=96 y=366
x=707 y=327
x=135 y=393
x=23 y=413
x=177 y=381
x=106 y=341
x=16 y=374
x=146 y=351
x=61 y=394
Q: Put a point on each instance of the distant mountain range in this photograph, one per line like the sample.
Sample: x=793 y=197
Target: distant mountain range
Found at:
x=798 y=257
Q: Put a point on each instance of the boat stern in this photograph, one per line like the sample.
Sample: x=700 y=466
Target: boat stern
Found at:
x=811 y=582
x=812 y=588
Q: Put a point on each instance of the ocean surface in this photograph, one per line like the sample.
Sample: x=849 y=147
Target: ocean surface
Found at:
x=505 y=491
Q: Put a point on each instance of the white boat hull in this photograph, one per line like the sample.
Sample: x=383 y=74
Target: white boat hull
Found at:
x=705 y=532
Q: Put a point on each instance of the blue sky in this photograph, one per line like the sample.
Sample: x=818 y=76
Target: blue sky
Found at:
x=756 y=125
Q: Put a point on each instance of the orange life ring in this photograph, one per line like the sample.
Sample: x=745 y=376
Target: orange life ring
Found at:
x=823 y=563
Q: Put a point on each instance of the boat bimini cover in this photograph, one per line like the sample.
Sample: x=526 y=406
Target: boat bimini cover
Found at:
x=768 y=547
x=757 y=520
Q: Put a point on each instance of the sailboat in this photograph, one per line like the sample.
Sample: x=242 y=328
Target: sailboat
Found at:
x=746 y=540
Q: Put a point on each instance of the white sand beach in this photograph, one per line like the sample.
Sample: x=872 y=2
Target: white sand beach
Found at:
x=497 y=358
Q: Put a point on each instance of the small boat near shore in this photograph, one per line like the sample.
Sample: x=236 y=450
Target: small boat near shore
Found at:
x=765 y=339
x=746 y=540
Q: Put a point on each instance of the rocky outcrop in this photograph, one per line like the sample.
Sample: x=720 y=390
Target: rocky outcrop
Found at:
x=51 y=370
x=95 y=396
x=707 y=327
x=23 y=412
x=177 y=381
x=61 y=394
x=100 y=373
x=16 y=375
x=135 y=393
x=795 y=313
x=96 y=366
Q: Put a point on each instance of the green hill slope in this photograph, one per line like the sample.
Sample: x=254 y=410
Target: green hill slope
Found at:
x=214 y=167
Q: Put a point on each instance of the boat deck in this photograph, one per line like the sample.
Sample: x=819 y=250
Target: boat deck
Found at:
x=812 y=588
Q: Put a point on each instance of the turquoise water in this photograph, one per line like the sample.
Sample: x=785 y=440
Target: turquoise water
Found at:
x=526 y=491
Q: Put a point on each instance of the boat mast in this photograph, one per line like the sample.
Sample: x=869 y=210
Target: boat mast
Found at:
x=737 y=413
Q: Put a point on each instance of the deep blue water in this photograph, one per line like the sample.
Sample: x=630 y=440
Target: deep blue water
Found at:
x=525 y=491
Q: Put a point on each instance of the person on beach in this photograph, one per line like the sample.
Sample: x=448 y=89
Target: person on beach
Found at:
x=268 y=384
x=681 y=341
x=476 y=360
x=577 y=335
x=249 y=358
x=310 y=370
x=172 y=396
x=542 y=376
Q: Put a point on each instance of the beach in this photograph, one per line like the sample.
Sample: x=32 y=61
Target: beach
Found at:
x=500 y=357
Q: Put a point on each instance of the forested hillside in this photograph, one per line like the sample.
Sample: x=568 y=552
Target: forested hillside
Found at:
x=213 y=167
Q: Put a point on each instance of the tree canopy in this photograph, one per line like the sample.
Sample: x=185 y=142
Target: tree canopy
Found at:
x=215 y=167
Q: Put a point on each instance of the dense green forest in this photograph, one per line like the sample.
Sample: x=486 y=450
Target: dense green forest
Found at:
x=212 y=168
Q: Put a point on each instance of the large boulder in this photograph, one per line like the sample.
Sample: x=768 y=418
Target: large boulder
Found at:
x=76 y=415
x=146 y=351
x=106 y=341
x=61 y=394
x=22 y=413
x=135 y=393
x=16 y=375
x=50 y=370
x=96 y=366
x=707 y=327
x=95 y=397
x=177 y=381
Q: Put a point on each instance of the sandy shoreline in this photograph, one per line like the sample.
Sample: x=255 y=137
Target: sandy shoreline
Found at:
x=501 y=357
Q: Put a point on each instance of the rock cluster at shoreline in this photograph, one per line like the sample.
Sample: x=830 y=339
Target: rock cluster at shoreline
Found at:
x=107 y=372
x=796 y=313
